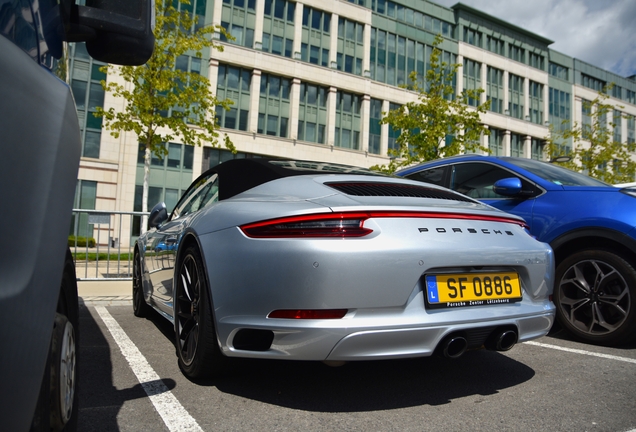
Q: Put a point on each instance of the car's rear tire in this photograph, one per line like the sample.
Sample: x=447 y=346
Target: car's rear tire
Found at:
x=140 y=307
x=595 y=294
x=195 y=335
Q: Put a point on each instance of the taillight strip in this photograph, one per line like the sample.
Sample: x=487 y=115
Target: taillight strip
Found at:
x=349 y=224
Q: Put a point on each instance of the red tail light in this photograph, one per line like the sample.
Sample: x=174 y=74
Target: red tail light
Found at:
x=309 y=314
x=320 y=225
x=347 y=224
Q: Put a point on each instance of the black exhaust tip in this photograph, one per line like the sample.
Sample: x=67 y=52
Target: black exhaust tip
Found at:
x=502 y=339
x=453 y=346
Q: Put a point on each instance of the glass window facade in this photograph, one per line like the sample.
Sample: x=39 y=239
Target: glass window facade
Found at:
x=495 y=89
x=559 y=103
x=495 y=142
x=617 y=119
x=85 y=79
x=515 y=96
x=472 y=37
x=375 y=128
x=239 y=19
x=472 y=78
x=630 y=129
x=495 y=45
x=316 y=38
x=394 y=57
x=234 y=84
x=558 y=71
x=586 y=119
x=273 y=107
x=413 y=17
x=536 y=102
x=393 y=133
x=592 y=83
x=278 y=27
x=348 y=120
x=516 y=145
x=516 y=53
x=312 y=113
x=85 y=199
x=536 y=60
x=350 y=46
x=536 y=151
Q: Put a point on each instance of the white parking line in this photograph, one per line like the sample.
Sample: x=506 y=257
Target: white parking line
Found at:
x=576 y=351
x=171 y=411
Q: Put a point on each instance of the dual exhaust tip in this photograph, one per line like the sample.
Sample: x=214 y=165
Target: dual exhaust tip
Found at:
x=456 y=344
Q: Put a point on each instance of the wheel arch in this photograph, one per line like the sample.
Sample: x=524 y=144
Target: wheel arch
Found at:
x=599 y=238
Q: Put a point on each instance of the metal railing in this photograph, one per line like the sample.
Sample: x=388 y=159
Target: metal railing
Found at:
x=110 y=258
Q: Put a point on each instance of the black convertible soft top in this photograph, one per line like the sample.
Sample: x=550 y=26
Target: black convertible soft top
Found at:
x=238 y=175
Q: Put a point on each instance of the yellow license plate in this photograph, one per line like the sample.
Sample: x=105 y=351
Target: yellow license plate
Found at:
x=472 y=289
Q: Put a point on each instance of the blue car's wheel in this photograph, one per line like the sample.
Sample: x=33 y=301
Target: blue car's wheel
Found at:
x=197 y=346
x=594 y=293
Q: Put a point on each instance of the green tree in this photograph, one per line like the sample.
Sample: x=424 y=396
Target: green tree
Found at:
x=163 y=102
x=438 y=124
x=594 y=151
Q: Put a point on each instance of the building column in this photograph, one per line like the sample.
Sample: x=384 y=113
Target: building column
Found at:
x=366 y=61
x=459 y=77
x=384 y=131
x=484 y=82
x=331 y=115
x=576 y=113
x=298 y=29
x=506 y=143
x=217 y=14
x=527 y=147
x=294 y=100
x=485 y=139
x=526 y=98
x=255 y=95
x=364 y=118
x=546 y=103
x=333 y=46
x=506 y=90
x=258 y=26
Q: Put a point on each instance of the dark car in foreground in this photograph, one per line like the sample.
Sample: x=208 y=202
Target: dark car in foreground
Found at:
x=41 y=147
x=301 y=260
x=589 y=224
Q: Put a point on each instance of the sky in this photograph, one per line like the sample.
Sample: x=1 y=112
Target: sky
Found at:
x=600 y=32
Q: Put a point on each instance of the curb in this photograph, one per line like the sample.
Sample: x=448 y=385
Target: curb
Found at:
x=105 y=301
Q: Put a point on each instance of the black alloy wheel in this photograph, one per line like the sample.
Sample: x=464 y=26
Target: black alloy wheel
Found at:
x=594 y=295
x=140 y=307
x=197 y=347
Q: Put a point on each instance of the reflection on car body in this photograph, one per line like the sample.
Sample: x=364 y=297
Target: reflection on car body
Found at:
x=315 y=261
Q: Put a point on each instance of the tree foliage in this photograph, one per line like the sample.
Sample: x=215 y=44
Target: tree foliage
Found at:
x=439 y=123
x=164 y=103
x=594 y=150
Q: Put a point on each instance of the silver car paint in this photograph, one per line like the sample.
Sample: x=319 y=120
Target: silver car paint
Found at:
x=377 y=277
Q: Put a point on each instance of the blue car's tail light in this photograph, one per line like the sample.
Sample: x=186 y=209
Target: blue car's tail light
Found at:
x=347 y=224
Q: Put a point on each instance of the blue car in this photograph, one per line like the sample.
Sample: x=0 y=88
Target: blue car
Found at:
x=589 y=224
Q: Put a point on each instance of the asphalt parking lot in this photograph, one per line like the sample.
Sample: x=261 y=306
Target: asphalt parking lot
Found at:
x=129 y=381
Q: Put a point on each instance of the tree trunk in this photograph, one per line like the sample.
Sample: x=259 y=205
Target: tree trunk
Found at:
x=144 y=195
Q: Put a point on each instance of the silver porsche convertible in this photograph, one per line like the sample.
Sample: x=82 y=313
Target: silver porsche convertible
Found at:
x=301 y=260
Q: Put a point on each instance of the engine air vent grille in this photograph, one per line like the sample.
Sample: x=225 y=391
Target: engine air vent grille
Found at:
x=395 y=190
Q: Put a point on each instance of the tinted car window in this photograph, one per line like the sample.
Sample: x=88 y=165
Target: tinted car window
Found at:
x=433 y=175
x=556 y=174
x=477 y=179
x=199 y=195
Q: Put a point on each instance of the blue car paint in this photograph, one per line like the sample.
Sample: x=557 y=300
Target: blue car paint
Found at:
x=560 y=210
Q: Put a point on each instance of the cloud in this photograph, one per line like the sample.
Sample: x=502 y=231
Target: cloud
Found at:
x=597 y=32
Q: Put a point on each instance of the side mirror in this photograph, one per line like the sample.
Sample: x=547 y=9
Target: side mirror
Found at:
x=158 y=215
x=507 y=187
x=115 y=31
